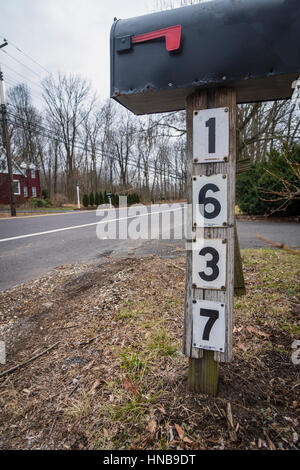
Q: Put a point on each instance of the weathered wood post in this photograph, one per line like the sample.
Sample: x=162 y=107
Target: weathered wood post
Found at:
x=209 y=309
x=239 y=280
x=186 y=58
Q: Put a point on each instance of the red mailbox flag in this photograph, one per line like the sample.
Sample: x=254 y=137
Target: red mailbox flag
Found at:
x=172 y=35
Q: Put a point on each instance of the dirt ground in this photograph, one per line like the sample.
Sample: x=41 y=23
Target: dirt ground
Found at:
x=116 y=377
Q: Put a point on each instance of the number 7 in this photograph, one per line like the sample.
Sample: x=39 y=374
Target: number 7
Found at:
x=213 y=317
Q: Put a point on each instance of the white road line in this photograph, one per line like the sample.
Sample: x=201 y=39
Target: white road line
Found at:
x=75 y=227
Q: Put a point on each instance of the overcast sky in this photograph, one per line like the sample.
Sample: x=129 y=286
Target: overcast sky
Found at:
x=62 y=35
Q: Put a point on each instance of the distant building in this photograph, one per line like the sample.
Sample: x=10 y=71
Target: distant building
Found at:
x=26 y=182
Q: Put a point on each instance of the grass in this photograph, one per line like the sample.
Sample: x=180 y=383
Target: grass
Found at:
x=275 y=279
x=271 y=283
x=135 y=408
x=38 y=211
x=133 y=378
x=80 y=407
x=131 y=311
x=160 y=344
x=133 y=363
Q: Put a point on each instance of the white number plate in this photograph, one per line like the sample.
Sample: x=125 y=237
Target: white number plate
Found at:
x=210 y=201
x=211 y=135
x=209 y=264
x=209 y=325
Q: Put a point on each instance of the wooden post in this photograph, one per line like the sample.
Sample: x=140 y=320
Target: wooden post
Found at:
x=204 y=374
x=204 y=364
x=239 y=281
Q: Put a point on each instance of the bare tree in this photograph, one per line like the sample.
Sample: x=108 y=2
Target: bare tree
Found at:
x=261 y=127
x=68 y=102
x=290 y=190
x=24 y=118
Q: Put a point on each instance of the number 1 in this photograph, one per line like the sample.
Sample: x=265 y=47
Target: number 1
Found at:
x=211 y=124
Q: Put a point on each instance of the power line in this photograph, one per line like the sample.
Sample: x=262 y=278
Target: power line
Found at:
x=51 y=136
x=34 y=83
x=22 y=76
x=25 y=79
x=13 y=82
x=23 y=65
x=26 y=55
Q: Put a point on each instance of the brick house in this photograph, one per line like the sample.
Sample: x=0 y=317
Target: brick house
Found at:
x=26 y=182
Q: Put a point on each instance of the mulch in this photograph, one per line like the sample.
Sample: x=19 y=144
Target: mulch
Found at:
x=85 y=394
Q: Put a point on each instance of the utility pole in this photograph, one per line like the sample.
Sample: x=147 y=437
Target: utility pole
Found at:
x=6 y=141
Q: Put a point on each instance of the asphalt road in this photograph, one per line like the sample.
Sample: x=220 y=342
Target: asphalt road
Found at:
x=31 y=246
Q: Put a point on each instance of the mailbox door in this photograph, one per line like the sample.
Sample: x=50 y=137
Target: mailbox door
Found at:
x=252 y=45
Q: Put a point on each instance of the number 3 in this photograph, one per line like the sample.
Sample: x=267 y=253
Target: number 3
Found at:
x=212 y=264
x=209 y=264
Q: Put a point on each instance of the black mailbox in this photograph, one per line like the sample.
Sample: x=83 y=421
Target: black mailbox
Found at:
x=160 y=58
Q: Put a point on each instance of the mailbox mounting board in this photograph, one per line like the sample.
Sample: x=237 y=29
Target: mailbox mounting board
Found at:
x=157 y=60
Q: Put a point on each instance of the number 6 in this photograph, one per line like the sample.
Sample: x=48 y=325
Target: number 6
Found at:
x=203 y=200
x=210 y=200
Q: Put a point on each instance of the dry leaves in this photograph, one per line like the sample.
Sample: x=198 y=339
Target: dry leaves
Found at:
x=129 y=386
x=257 y=332
x=94 y=387
x=79 y=396
x=179 y=430
x=152 y=426
x=182 y=435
